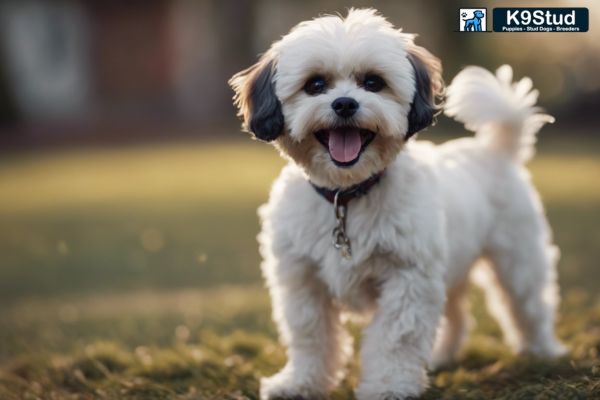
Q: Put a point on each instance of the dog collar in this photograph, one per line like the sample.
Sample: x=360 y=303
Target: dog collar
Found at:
x=340 y=199
x=345 y=195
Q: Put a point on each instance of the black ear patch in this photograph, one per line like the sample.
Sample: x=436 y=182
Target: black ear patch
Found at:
x=266 y=118
x=422 y=108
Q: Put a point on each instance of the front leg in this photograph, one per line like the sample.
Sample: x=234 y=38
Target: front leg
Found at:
x=309 y=325
x=397 y=344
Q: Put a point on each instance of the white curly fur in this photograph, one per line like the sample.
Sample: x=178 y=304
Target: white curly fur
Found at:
x=415 y=236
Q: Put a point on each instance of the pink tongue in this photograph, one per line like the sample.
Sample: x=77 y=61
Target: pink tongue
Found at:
x=344 y=145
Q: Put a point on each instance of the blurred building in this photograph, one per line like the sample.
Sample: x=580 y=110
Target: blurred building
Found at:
x=168 y=61
x=86 y=59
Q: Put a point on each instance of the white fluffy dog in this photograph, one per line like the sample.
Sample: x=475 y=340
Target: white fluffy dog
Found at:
x=340 y=98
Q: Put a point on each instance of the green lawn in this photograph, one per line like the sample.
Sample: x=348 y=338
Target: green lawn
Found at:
x=133 y=273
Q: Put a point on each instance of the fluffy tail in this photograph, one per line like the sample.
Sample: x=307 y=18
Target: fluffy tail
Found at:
x=501 y=113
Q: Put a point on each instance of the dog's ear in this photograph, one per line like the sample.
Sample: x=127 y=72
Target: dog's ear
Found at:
x=256 y=101
x=429 y=89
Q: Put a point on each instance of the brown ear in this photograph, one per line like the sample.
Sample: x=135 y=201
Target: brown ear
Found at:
x=429 y=90
x=255 y=98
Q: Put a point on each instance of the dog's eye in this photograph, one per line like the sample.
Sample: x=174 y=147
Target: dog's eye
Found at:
x=315 y=85
x=373 y=83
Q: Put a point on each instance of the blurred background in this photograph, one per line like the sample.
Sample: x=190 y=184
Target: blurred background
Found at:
x=108 y=71
x=128 y=194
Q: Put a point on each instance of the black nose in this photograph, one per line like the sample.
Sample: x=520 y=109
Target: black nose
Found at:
x=345 y=106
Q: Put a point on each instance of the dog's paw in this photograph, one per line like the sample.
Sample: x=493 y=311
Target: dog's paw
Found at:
x=283 y=386
x=408 y=391
x=387 y=396
x=440 y=360
x=396 y=396
x=547 y=349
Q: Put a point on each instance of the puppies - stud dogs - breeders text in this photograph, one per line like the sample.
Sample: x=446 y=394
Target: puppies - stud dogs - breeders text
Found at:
x=364 y=219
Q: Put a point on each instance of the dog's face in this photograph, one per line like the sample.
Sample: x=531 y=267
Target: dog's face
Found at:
x=340 y=96
x=478 y=14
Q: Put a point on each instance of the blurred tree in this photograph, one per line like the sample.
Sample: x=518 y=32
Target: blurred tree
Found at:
x=8 y=109
x=235 y=25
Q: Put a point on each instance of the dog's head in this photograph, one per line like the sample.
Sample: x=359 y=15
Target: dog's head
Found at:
x=340 y=96
x=478 y=14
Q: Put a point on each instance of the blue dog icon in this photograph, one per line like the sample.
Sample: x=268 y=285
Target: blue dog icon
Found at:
x=474 y=24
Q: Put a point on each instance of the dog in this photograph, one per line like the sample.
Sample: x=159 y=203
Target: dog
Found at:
x=365 y=220
x=474 y=24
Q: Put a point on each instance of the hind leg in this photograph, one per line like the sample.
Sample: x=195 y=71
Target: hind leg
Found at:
x=453 y=329
x=520 y=285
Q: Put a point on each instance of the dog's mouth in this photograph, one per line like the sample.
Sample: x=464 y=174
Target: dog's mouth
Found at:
x=345 y=144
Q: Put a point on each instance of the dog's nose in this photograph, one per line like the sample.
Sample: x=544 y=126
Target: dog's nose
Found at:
x=345 y=106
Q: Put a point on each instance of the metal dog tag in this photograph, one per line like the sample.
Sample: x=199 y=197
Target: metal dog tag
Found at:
x=340 y=240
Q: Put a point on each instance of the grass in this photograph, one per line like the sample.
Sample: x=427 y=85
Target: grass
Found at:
x=132 y=273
